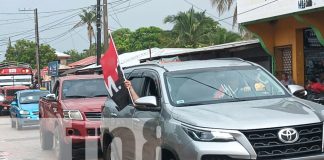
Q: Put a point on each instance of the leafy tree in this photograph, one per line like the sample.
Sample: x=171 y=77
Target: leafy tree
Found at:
x=143 y=38
x=146 y=37
x=87 y=18
x=122 y=39
x=191 y=27
x=75 y=55
x=24 y=51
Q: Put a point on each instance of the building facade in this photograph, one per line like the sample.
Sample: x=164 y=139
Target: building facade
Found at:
x=291 y=31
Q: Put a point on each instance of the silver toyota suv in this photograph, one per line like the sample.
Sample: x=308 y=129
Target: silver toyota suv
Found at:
x=223 y=109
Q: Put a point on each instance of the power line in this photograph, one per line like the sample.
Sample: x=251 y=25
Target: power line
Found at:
x=250 y=10
x=60 y=21
x=218 y=18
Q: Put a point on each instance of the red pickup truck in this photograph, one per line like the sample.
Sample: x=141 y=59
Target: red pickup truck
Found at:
x=71 y=115
x=8 y=93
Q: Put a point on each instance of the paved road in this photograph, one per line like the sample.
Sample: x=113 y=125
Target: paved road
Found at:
x=21 y=145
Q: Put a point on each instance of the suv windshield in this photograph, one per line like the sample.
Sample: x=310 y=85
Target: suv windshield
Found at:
x=84 y=88
x=205 y=86
x=31 y=97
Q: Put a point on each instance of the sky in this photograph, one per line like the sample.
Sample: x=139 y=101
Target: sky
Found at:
x=57 y=18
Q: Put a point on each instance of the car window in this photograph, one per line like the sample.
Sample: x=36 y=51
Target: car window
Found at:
x=56 y=89
x=137 y=83
x=150 y=87
x=205 y=86
x=31 y=97
x=84 y=88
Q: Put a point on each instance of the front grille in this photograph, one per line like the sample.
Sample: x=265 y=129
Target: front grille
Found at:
x=268 y=146
x=217 y=157
x=94 y=116
x=35 y=112
x=93 y=132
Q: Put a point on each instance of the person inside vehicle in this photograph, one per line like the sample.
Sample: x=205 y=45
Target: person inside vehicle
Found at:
x=286 y=80
x=128 y=85
x=232 y=87
x=315 y=86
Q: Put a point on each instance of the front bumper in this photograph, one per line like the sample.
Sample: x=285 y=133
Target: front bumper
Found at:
x=4 y=108
x=79 y=132
x=28 y=120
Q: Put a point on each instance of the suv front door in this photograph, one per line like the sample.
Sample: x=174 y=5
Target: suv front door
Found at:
x=146 y=121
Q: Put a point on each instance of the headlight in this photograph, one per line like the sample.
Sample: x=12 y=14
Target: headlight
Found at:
x=208 y=136
x=72 y=115
x=23 y=112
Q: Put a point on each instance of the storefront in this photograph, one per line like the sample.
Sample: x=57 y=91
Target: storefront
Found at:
x=313 y=55
x=291 y=31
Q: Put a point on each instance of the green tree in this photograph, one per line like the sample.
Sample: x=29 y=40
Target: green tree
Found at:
x=24 y=51
x=122 y=39
x=75 y=55
x=142 y=38
x=145 y=38
x=87 y=18
x=190 y=27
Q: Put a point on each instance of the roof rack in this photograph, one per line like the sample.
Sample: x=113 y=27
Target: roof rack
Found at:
x=231 y=58
x=146 y=64
x=14 y=64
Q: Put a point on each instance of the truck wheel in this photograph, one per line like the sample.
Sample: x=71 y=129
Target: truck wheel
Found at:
x=107 y=152
x=18 y=125
x=63 y=151
x=46 y=139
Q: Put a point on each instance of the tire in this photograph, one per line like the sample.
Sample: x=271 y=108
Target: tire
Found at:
x=13 y=124
x=46 y=139
x=63 y=151
x=107 y=152
x=18 y=125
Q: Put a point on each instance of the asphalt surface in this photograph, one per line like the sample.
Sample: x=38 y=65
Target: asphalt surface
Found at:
x=23 y=144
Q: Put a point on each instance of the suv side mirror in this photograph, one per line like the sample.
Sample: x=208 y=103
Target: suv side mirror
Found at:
x=51 y=97
x=297 y=91
x=147 y=103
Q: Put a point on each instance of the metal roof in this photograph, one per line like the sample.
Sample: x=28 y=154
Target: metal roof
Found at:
x=209 y=48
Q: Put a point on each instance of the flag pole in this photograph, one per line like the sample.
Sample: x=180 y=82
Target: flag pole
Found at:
x=111 y=38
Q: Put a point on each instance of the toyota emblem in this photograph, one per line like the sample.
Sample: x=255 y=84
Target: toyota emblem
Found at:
x=288 y=135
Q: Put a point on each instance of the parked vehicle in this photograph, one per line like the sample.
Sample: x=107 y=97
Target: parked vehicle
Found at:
x=215 y=109
x=71 y=115
x=15 y=73
x=8 y=92
x=315 y=97
x=24 y=109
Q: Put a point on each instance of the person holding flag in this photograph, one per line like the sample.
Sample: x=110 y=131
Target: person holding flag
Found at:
x=118 y=87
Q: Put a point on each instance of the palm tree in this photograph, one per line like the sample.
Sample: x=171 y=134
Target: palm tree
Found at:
x=225 y=5
x=87 y=18
x=191 y=27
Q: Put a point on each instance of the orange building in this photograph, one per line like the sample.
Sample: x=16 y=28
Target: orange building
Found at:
x=291 y=31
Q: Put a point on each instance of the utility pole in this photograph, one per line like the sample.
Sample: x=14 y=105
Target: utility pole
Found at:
x=37 y=45
x=105 y=24
x=98 y=32
x=37 y=48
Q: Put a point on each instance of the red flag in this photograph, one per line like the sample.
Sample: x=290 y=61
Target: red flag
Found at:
x=109 y=62
x=114 y=76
